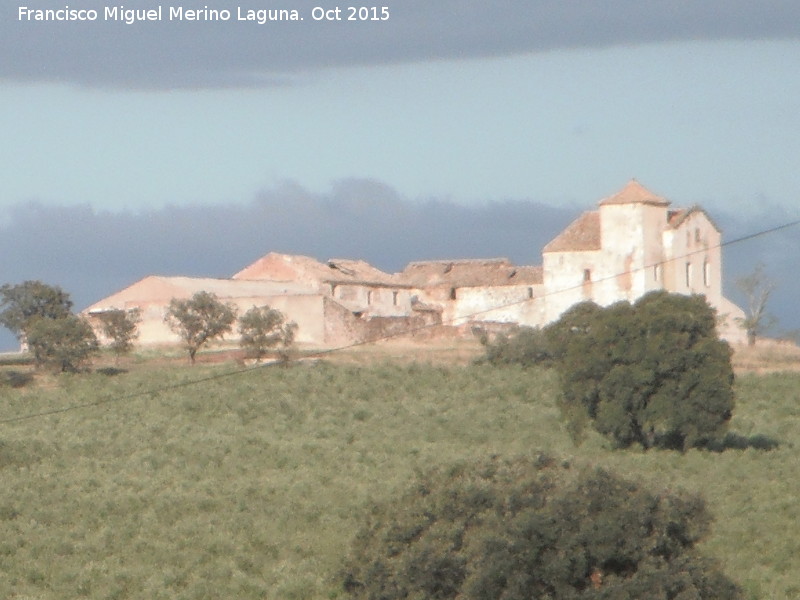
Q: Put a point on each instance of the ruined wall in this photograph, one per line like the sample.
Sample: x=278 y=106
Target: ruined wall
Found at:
x=695 y=258
x=504 y=304
x=305 y=310
x=342 y=327
x=569 y=278
x=375 y=299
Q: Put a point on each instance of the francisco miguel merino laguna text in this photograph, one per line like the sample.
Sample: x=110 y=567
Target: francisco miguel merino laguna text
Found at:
x=179 y=13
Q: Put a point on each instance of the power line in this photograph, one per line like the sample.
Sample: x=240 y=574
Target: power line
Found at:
x=405 y=332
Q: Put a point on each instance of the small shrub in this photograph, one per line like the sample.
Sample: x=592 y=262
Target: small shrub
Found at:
x=64 y=344
x=200 y=319
x=527 y=346
x=119 y=326
x=264 y=328
x=521 y=529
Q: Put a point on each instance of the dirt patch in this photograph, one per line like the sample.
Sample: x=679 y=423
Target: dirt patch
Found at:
x=767 y=356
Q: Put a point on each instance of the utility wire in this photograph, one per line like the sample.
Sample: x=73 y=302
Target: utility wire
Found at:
x=405 y=332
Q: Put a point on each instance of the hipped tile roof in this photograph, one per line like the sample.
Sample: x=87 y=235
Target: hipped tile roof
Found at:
x=634 y=193
x=293 y=267
x=580 y=235
x=470 y=273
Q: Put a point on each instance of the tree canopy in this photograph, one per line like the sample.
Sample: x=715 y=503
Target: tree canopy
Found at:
x=526 y=528
x=120 y=327
x=199 y=319
x=65 y=343
x=22 y=303
x=653 y=373
x=262 y=328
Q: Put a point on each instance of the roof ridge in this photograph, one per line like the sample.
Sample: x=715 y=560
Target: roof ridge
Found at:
x=634 y=193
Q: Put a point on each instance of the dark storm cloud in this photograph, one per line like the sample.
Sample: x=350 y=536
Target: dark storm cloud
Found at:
x=92 y=254
x=164 y=55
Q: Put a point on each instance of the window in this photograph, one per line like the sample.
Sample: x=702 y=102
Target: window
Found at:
x=587 y=275
x=530 y=292
x=369 y=296
x=688 y=274
x=394 y=298
x=657 y=272
x=452 y=293
x=697 y=235
x=707 y=273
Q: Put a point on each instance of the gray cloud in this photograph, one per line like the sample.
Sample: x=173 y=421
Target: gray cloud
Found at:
x=92 y=254
x=165 y=55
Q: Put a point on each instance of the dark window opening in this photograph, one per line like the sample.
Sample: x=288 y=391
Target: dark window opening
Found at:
x=452 y=293
x=587 y=275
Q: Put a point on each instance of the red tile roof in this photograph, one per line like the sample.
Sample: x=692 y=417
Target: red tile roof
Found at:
x=580 y=235
x=469 y=273
x=634 y=193
x=293 y=267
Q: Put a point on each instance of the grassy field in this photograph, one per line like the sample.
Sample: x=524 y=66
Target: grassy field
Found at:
x=251 y=486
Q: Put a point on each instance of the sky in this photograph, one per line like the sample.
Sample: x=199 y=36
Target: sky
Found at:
x=486 y=115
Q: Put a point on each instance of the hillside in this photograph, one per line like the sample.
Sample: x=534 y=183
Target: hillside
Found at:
x=252 y=485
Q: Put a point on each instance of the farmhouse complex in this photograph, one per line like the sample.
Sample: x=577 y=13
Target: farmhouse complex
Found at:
x=631 y=244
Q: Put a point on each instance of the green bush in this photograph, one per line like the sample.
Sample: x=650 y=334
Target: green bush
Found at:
x=64 y=344
x=653 y=373
x=527 y=346
x=120 y=327
x=263 y=328
x=521 y=529
x=22 y=303
x=200 y=319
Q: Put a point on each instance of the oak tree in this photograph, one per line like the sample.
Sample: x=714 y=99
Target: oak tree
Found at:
x=264 y=328
x=21 y=303
x=527 y=528
x=64 y=344
x=199 y=319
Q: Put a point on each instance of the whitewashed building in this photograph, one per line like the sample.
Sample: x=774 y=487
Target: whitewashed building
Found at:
x=633 y=243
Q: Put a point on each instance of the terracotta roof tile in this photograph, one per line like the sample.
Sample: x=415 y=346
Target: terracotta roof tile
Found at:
x=676 y=218
x=581 y=235
x=155 y=288
x=293 y=267
x=634 y=193
x=469 y=273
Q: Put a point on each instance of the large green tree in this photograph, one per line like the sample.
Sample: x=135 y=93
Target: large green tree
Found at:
x=200 y=319
x=22 y=303
x=533 y=528
x=653 y=373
